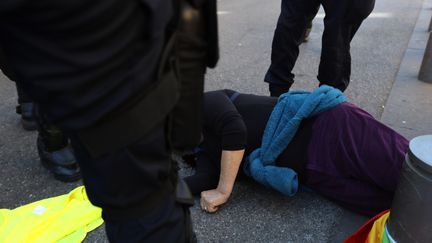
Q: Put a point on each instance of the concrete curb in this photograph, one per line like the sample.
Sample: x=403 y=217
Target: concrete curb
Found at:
x=408 y=109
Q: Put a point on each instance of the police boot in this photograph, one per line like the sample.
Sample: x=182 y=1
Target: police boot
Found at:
x=56 y=154
x=27 y=112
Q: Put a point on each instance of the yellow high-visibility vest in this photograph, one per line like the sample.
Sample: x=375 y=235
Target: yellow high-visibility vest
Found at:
x=66 y=218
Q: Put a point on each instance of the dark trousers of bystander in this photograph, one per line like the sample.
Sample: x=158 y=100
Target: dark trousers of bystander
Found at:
x=341 y=22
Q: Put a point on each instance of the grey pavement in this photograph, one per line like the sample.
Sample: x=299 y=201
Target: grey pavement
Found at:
x=253 y=213
x=409 y=106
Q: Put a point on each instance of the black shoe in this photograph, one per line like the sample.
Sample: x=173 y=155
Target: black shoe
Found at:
x=57 y=156
x=277 y=90
x=27 y=112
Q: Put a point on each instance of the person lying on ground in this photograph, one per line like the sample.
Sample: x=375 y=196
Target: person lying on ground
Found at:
x=340 y=152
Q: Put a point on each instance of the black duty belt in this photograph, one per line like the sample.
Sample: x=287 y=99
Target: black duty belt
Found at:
x=134 y=123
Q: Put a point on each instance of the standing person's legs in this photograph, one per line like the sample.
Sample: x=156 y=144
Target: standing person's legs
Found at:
x=359 y=11
x=341 y=22
x=53 y=146
x=307 y=32
x=22 y=96
x=135 y=187
x=54 y=150
x=293 y=21
x=25 y=105
x=26 y=108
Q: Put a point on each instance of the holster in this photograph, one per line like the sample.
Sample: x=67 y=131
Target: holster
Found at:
x=132 y=124
x=196 y=49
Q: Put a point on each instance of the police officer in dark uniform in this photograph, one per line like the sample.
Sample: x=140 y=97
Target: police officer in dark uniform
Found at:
x=108 y=73
x=341 y=22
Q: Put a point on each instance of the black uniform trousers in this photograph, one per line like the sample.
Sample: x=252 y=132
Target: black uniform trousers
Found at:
x=135 y=186
x=22 y=96
x=341 y=22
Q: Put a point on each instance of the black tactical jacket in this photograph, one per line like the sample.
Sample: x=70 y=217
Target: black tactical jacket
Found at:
x=81 y=60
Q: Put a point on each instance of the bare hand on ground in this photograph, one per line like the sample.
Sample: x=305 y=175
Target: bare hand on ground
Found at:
x=212 y=199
